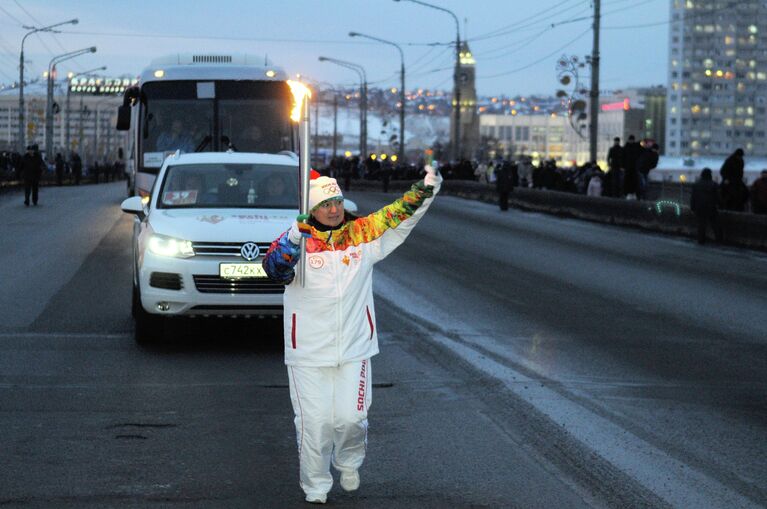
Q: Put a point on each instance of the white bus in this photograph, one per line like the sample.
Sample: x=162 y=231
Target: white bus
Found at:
x=204 y=103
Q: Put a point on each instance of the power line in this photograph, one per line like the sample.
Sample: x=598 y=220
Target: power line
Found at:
x=14 y=18
x=53 y=35
x=516 y=24
x=542 y=59
x=520 y=44
x=213 y=37
x=578 y=8
x=603 y=14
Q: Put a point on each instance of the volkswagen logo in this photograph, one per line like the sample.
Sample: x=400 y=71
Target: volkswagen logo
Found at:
x=250 y=251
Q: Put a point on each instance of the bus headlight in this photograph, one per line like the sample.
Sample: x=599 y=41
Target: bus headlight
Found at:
x=168 y=246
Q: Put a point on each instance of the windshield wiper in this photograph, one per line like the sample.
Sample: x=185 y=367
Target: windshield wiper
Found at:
x=204 y=143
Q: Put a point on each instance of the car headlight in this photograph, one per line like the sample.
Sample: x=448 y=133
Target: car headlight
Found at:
x=168 y=246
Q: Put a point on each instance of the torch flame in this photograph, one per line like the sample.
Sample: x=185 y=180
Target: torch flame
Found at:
x=300 y=92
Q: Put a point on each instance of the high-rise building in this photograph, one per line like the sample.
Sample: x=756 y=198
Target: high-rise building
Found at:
x=717 y=93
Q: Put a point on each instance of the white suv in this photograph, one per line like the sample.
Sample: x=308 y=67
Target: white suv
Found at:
x=199 y=240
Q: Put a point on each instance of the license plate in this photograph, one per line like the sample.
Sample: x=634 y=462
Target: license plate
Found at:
x=241 y=270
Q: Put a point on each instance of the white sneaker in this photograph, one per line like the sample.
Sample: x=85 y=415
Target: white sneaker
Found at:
x=350 y=481
x=316 y=499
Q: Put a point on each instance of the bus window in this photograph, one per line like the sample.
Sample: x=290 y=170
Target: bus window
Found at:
x=176 y=119
x=178 y=125
x=254 y=125
x=255 y=116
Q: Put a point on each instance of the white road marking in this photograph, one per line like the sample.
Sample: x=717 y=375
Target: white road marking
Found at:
x=680 y=484
x=63 y=335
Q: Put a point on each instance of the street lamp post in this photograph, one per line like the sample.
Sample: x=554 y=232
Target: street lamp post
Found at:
x=456 y=77
x=98 y=122
x=32 y=30
x=335 y=111
x=49 y=100
x=401 y=151
x=68 y=111
x=84 y=112
x=363 y=100
x=319 y=84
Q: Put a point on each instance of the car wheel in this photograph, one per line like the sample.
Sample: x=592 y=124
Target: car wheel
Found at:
x=148 y=328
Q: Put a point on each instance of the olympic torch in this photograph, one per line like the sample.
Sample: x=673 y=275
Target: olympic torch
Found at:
x=300 y=114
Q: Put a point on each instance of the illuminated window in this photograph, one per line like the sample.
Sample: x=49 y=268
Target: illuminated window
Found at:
x=728 y=40
x=753 y=29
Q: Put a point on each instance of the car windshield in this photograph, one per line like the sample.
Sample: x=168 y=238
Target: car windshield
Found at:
x=229 y=186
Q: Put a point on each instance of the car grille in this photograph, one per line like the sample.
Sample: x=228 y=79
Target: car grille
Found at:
x=166 y=281
x=216 y=284
x=225 y=248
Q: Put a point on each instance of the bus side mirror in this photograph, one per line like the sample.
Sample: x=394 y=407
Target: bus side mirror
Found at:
x=123 y=118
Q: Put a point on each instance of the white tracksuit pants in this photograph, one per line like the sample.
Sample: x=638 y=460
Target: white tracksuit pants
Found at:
x=331 y=407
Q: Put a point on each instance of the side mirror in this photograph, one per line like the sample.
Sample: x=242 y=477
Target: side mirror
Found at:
x=134 y=205
x=123 y=118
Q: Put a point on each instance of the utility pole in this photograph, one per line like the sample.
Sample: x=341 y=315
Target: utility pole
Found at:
x=594 y=94
x=317 y=128
x=457 y=93
x=401 y=150
x=67 y=141
x=335 y=121
x=20 y=143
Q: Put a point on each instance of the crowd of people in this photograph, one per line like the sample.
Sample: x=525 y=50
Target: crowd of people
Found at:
x=61 y=169
x=627 y=175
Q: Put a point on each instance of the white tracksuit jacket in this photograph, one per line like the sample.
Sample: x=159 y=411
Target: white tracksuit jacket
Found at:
x=331 y=319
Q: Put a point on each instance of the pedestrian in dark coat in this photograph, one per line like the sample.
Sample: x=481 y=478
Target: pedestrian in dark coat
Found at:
x=648 y=161
x=77 y=167
x=734 y=190
x=631 y=152
x=32 y=165
x=733 y=166
x=704 y=203
x=759 y=194
x=614 y=177
x=503 y=183
x=59 y=162
x=386 y=171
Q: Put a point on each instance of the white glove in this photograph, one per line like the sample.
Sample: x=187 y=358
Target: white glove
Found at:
x=299 y=230
x=294 y=234
x=432 y=178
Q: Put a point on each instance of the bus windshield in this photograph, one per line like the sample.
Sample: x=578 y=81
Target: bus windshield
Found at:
x=246 y=116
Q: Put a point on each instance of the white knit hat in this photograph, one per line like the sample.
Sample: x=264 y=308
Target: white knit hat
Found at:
x=321 y=189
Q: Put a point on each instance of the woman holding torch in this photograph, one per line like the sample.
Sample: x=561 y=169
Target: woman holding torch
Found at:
x=330 y=327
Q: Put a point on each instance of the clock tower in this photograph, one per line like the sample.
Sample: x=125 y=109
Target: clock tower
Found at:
x=469 y=127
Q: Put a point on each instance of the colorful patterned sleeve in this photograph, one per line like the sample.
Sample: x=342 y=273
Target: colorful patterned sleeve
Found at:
x=280 y=260
x=371 y=227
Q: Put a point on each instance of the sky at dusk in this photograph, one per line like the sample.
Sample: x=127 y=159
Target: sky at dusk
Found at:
x=516 y=43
